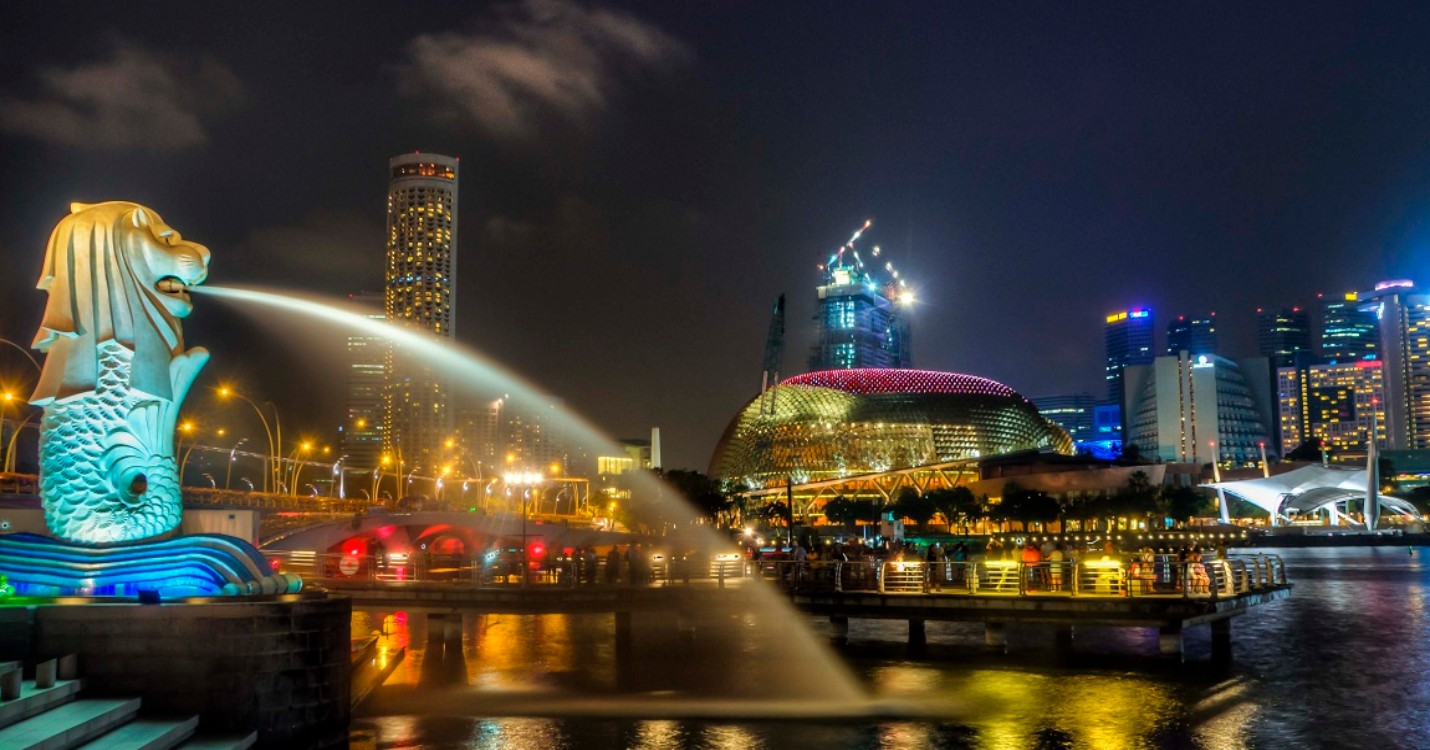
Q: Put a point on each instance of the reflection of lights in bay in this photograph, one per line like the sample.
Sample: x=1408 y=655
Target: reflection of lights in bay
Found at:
x=517 y=734
x=906 y=735
x=659 y=735
x=729 y=737
x=1223 y=718
x=1009 y=708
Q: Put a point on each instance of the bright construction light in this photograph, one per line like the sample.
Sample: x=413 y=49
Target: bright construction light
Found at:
x=906 y=297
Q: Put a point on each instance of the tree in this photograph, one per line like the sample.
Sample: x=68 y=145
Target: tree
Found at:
x=1182 y=503
x=912 y=505
x=957 y=505
x=1028 y=506
x=842 y=511
x=1308 y=450
x=1131 y=453
x=703 y=493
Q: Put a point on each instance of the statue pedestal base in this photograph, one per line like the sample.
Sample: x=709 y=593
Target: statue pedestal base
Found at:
x=195 y=565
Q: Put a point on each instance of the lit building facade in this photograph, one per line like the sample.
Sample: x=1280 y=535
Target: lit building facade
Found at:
x=367 y=377
x=1281 y=334
x=636 y=454
x=1335 y=404
x=841 y=423
x=1073 y=412
x=1194 y=335
x=535 y=439
x=420 y=287
x=1129 y=339
x=1404 y=319
x=1199 y=409
x=1348 y=333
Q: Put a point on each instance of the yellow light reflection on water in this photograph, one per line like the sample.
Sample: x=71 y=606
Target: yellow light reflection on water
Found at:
x=1011 y=709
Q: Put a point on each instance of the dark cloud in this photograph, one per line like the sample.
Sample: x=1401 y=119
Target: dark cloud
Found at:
x=136 y=99
x=333 y=251
x=536 y=59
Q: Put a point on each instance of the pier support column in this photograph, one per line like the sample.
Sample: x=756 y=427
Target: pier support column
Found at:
x=436 y=630
x=685 y=626
x=623 y=635
x=1221 y=640
x=840 y=628
x=625 y=652
x=995 y=637
x=1063 y=639
x=1169 y=640
x=918 y=637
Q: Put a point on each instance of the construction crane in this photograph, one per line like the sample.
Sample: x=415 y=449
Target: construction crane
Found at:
x=774 y=349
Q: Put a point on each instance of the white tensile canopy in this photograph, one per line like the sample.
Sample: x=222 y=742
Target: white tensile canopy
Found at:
x=1309 y=489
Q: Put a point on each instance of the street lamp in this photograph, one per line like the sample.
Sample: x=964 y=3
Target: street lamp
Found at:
x=297 y=469
x=338 y=472
x=524 y=481
x=274 y=433
x=7 y=398
x=232 y=457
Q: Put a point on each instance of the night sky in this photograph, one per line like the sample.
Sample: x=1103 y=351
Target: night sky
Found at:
x=640 y=181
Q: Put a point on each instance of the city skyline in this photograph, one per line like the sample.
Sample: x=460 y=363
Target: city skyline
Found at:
x=1029 y=188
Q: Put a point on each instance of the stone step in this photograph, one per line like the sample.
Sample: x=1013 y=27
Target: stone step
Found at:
x=69 y=725
x=147 y=733
x=33 y=701
x=205 y=741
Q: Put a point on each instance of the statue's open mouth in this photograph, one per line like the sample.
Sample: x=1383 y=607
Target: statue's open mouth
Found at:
x=173 y=286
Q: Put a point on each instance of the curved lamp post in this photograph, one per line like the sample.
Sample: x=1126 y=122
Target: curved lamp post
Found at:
x=274 y=433
x=232 y=457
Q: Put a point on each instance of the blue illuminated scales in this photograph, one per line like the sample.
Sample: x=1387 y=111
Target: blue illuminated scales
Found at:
x=114 y=378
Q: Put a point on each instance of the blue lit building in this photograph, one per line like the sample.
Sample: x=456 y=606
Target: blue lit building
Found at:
x=1195 y=335
x=862 y=322
x=1073 y=412
x=1128 y=337
x=1348 y=333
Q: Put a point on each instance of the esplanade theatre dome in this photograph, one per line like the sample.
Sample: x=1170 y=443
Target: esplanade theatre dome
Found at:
x=838 y=423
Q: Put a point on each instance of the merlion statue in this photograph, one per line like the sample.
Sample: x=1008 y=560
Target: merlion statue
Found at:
x=115 y=371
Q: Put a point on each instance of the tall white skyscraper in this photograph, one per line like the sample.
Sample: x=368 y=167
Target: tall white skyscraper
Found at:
x=420 y=291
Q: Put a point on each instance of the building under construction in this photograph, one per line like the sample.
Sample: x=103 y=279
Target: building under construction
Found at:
x=861 y=321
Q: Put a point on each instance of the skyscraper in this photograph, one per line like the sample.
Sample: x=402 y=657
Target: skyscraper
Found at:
x=862 y=321
x=362 y=433
x=1404 y=318
x=420 y=292
x=1280 y=334
x=1073 y=412
x=1334 y=404
x=1347 y=332
x=1129 y=342
x=1195 y=335
x=1199 y=409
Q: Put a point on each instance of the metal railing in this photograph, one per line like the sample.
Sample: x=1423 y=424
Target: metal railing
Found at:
x=504 y=570
x=1163 y=577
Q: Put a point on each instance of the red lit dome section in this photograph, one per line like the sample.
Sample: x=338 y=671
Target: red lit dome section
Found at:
x=871 y=381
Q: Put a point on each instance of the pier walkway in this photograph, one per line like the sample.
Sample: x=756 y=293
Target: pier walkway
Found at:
x=1166 y=594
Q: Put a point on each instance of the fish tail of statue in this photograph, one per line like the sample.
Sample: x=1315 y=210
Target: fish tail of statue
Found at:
x=107 y=456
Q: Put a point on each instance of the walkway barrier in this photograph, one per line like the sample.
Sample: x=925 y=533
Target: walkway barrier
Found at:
x=495 y=570
x=1108 y=576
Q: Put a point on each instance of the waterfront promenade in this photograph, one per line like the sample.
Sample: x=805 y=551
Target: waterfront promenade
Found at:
x=1170 y=596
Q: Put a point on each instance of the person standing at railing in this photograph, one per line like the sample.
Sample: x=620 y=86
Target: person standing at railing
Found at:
x=590 y=560
x=1056 y=560
x=613 y=565
x=1032 y=559
x=934 y=559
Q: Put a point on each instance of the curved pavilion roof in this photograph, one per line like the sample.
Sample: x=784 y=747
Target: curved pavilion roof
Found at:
x=1308 y=489
x=836 y=423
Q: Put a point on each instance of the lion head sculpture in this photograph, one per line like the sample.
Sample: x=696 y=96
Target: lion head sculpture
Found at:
x=114 y=271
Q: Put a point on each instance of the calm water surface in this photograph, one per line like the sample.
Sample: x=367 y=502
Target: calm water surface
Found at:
x=1343 y=663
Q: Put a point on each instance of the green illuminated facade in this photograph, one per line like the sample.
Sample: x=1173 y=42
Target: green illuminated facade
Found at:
x=840 y=423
